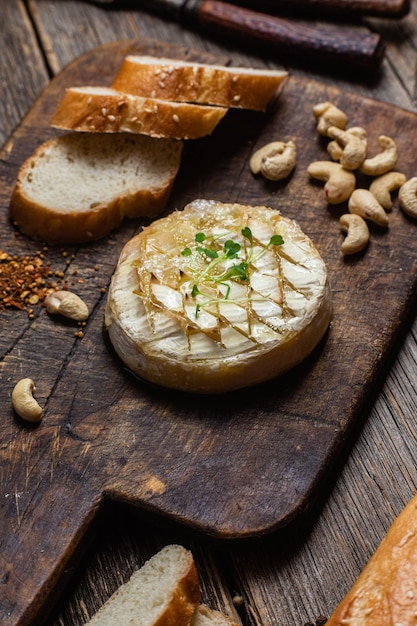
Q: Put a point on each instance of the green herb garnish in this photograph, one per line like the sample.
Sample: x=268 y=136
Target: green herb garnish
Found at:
x=276 y=240
x=214 y=254
x=211 y=254
x=195 y=291
x=247 y=233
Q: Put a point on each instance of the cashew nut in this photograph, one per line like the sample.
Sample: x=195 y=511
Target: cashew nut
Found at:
x=383 y=185
x=327 y=114
x=23 y=401
x=68 y=304
x=362 y=202
x=275 y=161
x=334 y=150
x=384 y=161
x=353 y=143
x=357 y=233
x=407 y=197
x=340 y=183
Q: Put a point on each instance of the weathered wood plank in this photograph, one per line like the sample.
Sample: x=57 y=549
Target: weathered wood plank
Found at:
x=313 y=573
x=22 y=70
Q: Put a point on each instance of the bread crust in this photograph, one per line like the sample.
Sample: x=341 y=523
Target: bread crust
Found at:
x=386 y=590
x=67 y=225
x=57 y=228
x=92 y=109
x=245 y=88
x=205 y=616
x=183 y=601
x=180 y=601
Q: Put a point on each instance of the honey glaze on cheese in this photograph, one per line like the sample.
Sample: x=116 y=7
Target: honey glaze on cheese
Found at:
x=217 y=297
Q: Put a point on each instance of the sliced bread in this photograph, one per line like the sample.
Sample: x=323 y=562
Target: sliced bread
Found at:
x=163 y=592
x=105 y=110
x=78 y=187
x=204 y=616
x=185 y=81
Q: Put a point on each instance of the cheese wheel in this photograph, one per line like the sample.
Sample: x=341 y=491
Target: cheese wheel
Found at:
x=217 y=297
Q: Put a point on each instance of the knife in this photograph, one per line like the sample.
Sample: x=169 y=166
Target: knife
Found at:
x=319 y=8
x=332 y=8
x=347 y=48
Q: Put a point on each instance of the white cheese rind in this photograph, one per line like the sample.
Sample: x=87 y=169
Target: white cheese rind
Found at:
x=233 y=332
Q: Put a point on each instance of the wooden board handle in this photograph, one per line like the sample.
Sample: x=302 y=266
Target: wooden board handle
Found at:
x=42 y=526
x=348 y=48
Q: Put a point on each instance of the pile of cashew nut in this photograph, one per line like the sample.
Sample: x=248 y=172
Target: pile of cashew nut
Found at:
x=348 y=151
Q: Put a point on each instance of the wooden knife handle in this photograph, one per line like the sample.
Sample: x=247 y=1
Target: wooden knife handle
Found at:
x=334 y=8
x=349 y=48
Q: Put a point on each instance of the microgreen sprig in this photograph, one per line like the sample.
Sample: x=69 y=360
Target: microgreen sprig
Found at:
x=276 y=240
x=238 y=272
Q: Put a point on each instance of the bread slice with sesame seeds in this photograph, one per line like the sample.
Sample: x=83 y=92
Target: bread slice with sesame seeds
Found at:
x=185 y=81
x=105 y=110
x=163 y=592
x=78 y=187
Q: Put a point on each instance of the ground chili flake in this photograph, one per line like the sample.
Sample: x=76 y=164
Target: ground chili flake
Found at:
x=24 y=281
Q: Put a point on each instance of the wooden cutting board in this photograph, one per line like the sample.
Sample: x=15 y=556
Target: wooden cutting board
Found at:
x=233 y=466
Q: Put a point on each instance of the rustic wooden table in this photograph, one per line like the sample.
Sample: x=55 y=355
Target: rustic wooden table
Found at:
x=296 y=576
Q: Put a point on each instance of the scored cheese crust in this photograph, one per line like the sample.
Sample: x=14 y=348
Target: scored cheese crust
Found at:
x=217 y=297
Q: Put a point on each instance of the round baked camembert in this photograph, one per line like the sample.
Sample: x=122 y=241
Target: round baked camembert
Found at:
x=217 y=297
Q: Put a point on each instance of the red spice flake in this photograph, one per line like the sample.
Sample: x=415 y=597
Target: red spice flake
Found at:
x=24 y=281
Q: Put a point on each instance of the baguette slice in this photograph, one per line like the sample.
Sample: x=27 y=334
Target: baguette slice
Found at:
x=189 y=320
x=78 y=187
x=386 y=590
x=204 y=616
x=184 y=81
x=163 y=592
x=105 y=110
